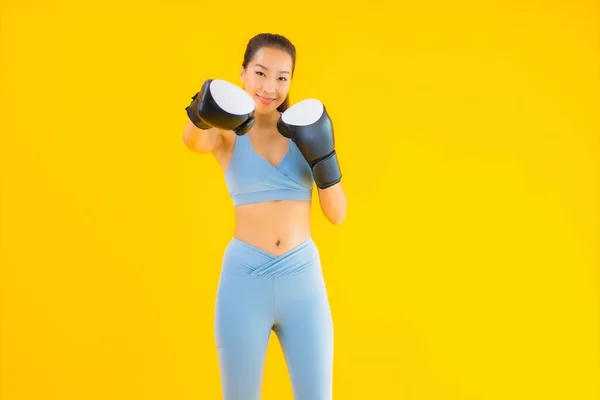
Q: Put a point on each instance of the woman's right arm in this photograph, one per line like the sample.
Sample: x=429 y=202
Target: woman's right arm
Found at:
x=200 y=140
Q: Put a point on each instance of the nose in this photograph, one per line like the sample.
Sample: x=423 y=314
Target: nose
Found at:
x=269 y=88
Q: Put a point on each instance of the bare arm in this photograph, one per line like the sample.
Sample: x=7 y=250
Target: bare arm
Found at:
x=333 y=203
x=202 y=141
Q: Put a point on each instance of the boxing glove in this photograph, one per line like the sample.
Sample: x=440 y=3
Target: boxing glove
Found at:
x=222 y=105
x=309 y=126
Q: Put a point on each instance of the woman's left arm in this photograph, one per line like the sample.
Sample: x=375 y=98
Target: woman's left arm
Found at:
x=333 y=203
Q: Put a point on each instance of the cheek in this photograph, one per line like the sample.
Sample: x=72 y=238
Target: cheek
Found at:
x=251 y=82
x=284 y=87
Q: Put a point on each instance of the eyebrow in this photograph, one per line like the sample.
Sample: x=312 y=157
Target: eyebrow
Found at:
x=262 y=66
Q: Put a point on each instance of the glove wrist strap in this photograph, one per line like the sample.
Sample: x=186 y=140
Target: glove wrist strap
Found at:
x=192 y=113
x=327 y=171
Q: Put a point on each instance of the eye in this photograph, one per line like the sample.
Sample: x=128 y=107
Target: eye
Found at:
x=259 y=73
x=283 y=78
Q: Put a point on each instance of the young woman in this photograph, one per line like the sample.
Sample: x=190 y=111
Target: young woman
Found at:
x=271 y=155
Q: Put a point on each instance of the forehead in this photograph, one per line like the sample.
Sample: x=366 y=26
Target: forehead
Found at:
x=273 y=59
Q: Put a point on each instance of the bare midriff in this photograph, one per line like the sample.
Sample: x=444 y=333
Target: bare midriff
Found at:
x=275 y=226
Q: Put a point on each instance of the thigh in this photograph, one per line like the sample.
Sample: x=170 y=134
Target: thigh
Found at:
x=304 y=328
x=243 y=323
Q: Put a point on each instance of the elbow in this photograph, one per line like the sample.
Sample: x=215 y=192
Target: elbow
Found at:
x=338 y=217
x=193 y=144
x=188 y=141
x=337 y=221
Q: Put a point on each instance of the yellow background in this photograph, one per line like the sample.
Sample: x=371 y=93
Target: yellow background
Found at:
x=468 y=135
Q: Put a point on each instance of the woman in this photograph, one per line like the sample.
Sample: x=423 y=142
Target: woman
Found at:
x=271 y=276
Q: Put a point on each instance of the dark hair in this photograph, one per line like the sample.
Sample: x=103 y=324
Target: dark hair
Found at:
x=272 y=40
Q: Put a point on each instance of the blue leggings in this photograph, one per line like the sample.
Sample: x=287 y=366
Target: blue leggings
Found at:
x=259 y=292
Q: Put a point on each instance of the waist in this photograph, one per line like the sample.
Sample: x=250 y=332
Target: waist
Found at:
x=244 y=259
x=275 y=227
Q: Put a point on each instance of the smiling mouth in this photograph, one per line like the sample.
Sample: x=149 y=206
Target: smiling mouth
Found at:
x=265 y=98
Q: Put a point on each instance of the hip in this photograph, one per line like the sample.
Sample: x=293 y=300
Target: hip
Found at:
x=244 y=259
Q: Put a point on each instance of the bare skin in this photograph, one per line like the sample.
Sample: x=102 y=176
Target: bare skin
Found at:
x=274 y=226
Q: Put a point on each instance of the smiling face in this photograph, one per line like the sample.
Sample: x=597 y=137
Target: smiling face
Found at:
x=267 y=78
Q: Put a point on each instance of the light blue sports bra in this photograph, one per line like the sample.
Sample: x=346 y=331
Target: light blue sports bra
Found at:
x=250 y=178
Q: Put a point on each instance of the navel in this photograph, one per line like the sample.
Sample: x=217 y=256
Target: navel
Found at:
x=277 y=243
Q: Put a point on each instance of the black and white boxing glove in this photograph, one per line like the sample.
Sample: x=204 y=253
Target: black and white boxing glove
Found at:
x=309 y=126
x=222 y=105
